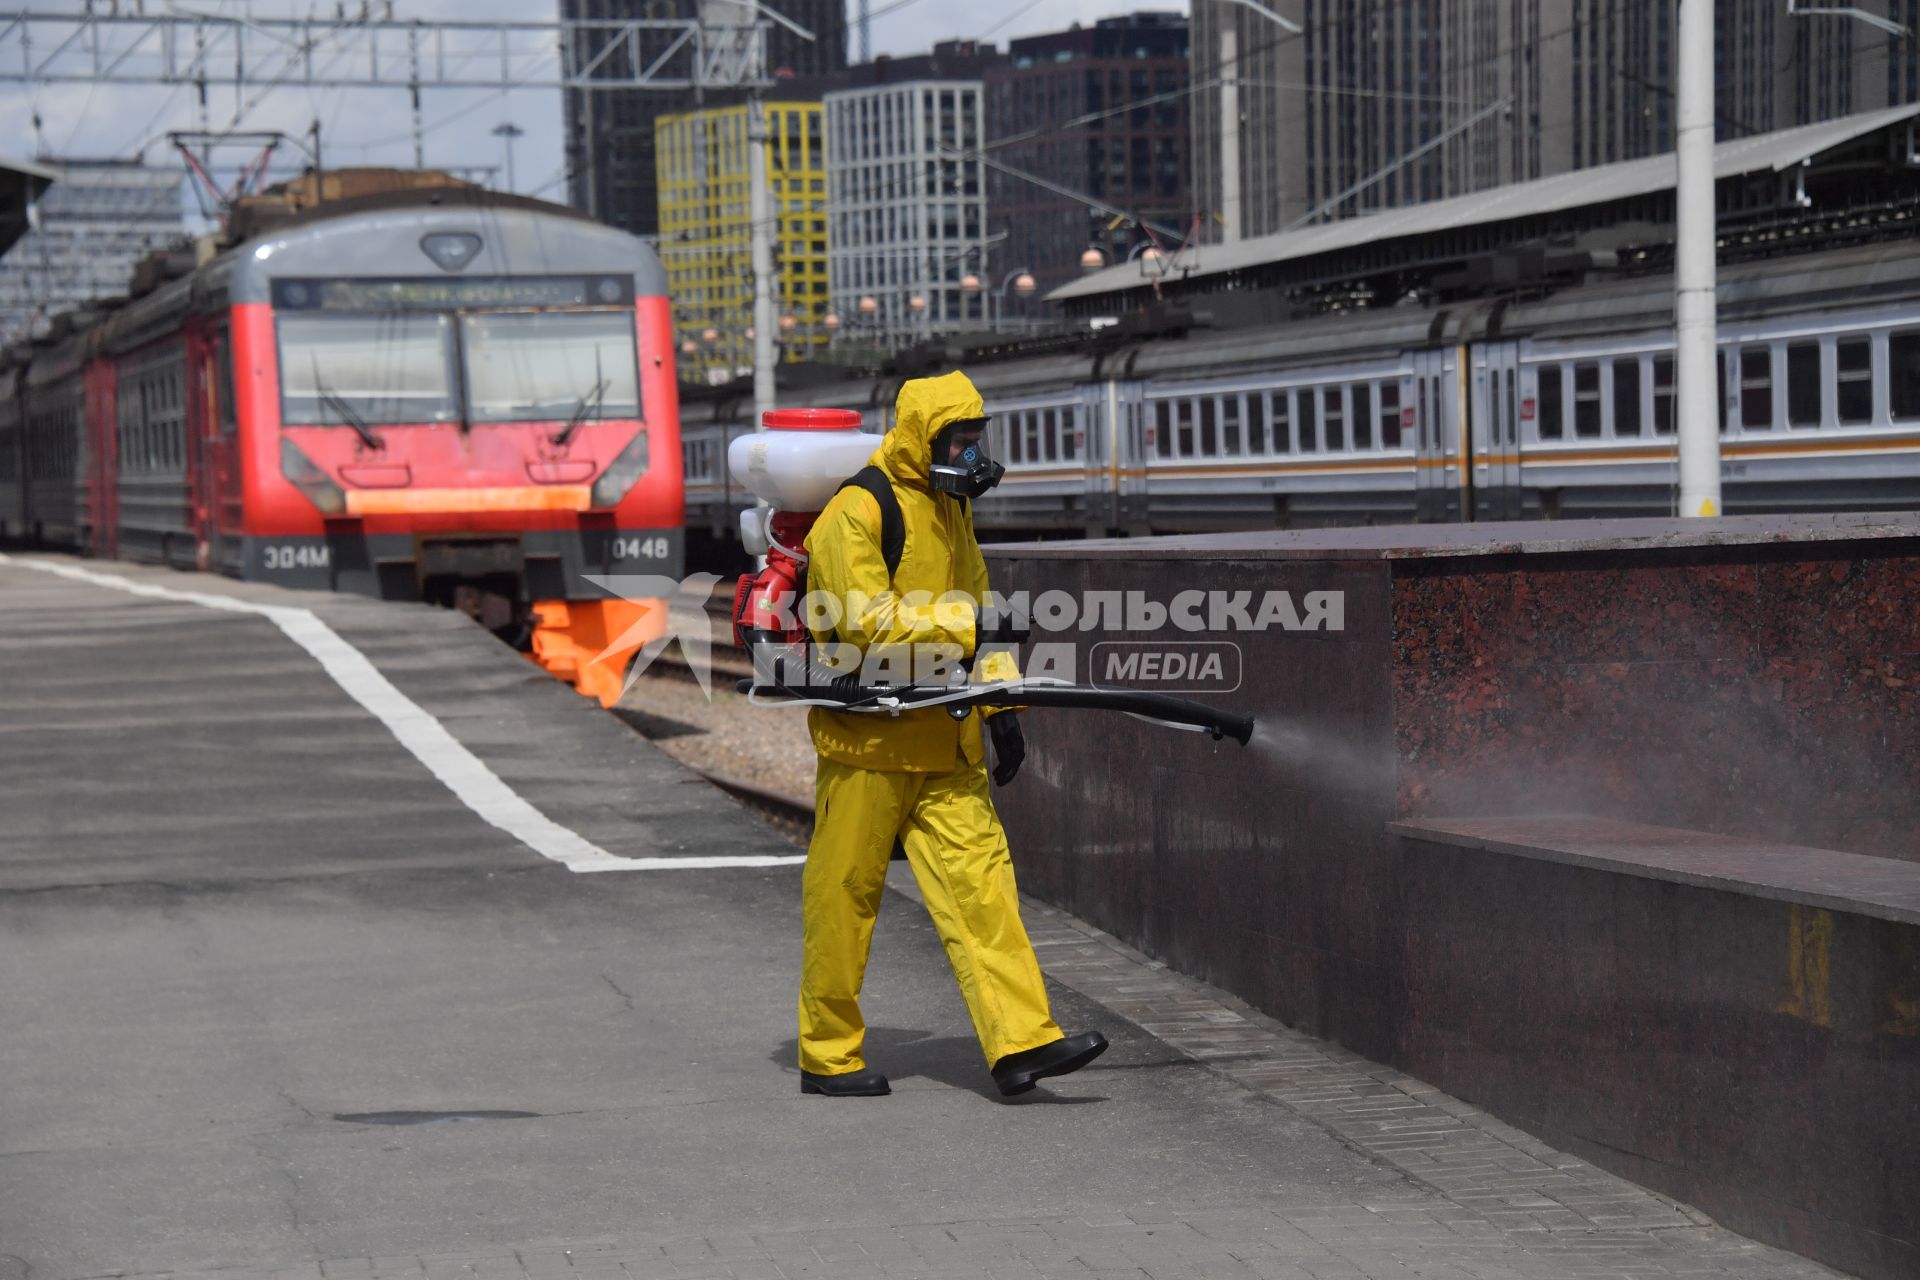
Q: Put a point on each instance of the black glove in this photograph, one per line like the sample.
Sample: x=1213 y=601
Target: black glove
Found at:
x=1009 y=746
x=995 y=623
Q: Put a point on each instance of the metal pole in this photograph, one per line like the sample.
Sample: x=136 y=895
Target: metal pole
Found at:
x=413 y=85
x=507 y=131
x=1696 y=395
x=760 y=244
x=1229 y=129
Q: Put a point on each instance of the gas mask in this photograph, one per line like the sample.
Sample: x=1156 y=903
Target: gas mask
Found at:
x=960 y=462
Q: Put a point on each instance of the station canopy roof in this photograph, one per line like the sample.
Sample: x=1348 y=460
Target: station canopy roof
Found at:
x=1599 y=185
x=21 y=182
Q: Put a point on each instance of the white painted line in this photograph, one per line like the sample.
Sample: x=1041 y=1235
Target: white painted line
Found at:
x=462 y=772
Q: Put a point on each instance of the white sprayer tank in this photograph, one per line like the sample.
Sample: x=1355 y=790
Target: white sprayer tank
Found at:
x=802 y=456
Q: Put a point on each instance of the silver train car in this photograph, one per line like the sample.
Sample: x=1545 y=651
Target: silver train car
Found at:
x=1559 y=406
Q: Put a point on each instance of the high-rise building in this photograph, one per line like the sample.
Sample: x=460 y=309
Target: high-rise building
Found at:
x=96 y=221
x=611 y=165
x=703 y=159
x=907 y=196
x=1058 y=108
x=1382 y=103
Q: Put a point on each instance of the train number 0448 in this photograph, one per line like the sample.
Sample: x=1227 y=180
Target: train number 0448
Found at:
x=287 y=555
x=640 y=549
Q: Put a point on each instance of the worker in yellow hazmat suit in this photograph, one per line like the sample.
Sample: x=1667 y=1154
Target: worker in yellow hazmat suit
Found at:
x=921 y=776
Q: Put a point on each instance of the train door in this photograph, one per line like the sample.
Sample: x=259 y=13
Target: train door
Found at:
x=1127 y=463
x=217 y=480
x=1433 y=412
x=103 y=480
x=1091 y=449
x=1496 y=410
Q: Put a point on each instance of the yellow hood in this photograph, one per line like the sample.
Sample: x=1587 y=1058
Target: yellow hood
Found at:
x=924 y=407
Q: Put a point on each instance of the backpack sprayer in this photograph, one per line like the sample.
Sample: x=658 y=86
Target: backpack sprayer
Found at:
x=795 y=467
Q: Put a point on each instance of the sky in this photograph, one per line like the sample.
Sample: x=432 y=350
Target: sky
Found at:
x=373 y=126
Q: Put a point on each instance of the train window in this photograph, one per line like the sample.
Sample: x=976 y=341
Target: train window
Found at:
x=1663 y=395
x=536 y=366
x=1308 y=402
x=1853 y=380
x=1903 y=373
x=1163 y=428
x=387 y=368
x=1626 y=396
x=223 y=406
x=1720 y=381
x=1552 y=410
x=1803 y=384
x=1283 y=422
x=1049 y=435
x=1016 y=437
x=1586 y=400
x=1421 y=424
x=1230 y=444
x=1070 y=434
x=1209 y=427
x=1756 y=388
x=1333 y=417
x=1184 y=424
x=1363 y=415
x=1390 y=415
x=1257 y=422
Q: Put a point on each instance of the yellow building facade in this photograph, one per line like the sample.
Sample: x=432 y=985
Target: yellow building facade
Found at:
x=701 y=164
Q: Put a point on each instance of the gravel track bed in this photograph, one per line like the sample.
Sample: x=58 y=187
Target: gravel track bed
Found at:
x=765 y=747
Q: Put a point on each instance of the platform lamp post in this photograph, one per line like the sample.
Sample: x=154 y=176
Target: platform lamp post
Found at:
x=507 y=131
x=1695 y=319
x=1020 y=280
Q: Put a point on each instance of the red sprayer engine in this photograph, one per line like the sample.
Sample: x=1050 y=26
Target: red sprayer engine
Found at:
x=794 y=466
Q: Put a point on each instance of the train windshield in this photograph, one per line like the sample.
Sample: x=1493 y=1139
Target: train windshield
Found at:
x=538 y=366
x=395 y=367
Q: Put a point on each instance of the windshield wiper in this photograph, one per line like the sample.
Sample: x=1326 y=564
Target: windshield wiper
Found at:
x=585 y=405
x=344 y=411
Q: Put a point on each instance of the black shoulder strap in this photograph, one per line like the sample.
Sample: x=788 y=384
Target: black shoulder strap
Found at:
x=893 y=526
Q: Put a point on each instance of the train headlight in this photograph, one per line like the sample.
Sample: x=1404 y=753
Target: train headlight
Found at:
x=309 y=479
x=624 y=473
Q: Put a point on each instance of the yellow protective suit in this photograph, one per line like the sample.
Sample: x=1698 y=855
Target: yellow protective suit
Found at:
x=920 y=777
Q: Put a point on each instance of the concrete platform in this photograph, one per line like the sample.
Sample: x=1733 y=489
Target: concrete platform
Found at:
x=277 y=998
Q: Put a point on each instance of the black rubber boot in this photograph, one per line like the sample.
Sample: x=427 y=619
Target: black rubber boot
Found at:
x=853 y=1084
x=1019 y=1072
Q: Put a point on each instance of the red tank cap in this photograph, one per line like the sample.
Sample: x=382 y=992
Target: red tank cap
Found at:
x=811 y=420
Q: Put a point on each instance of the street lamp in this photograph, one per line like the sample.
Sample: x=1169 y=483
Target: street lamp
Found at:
x=1092 y=260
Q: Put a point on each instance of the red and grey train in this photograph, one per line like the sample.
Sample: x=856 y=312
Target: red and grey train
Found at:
x=454 y=396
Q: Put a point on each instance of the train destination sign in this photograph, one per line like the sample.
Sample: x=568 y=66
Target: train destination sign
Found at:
x=430 y=293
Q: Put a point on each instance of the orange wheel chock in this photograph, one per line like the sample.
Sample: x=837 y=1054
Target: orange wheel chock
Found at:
x=588 y=643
